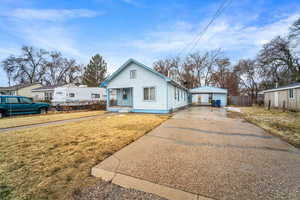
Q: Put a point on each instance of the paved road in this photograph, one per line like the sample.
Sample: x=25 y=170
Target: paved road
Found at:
x=203 y=151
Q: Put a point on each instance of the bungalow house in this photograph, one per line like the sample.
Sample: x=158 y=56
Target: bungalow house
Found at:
x=283 y=97
x=20 y=89
x=135 y=87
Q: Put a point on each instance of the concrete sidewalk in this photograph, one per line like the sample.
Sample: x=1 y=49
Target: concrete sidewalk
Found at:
x=201 y=153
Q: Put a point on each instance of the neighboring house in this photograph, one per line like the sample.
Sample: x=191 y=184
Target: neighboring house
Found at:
x=283 y=97
x=20 y=90
x=44 y=93
x=77 y=95
x=138 y=88
x=204 y=95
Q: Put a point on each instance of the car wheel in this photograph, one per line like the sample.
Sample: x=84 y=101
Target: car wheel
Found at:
x=43 y=111
x=1 y=114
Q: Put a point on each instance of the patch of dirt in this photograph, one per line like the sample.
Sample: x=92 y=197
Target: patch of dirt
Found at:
x=233 y=115
x=108 y=191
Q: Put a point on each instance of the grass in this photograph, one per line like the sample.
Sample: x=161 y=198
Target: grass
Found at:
x=51 y=162
x=36 y=119
x=284 y=124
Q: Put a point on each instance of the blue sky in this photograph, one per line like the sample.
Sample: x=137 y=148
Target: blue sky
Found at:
x=141 y=29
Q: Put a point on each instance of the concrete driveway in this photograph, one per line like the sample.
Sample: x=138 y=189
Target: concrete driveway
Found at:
x=203 y=153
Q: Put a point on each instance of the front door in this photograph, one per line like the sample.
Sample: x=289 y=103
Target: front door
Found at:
x=125 y=97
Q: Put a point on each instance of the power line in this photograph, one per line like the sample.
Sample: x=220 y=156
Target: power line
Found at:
x=219 y=11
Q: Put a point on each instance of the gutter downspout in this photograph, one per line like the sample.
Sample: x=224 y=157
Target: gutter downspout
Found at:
x=107 y=98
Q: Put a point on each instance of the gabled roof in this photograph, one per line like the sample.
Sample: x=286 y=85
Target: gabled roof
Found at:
x=47 y=87
x=286 y=87
x=131 y=60
x=208 y=89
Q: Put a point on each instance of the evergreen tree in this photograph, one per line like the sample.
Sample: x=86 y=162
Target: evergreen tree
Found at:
x=95 y=72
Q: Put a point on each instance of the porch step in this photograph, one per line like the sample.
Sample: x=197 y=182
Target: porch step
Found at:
x=124 y=110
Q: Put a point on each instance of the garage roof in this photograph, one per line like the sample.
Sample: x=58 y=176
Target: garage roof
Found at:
x=208 y=89
x=290 y=86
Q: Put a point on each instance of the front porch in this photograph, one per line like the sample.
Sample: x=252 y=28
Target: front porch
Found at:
x=120 y=99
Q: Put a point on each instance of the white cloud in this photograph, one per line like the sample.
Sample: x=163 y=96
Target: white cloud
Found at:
x=51 y=14
x=46 y=28
x=225 y=34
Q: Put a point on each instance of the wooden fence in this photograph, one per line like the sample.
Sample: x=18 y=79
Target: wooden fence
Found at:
x=240 y=100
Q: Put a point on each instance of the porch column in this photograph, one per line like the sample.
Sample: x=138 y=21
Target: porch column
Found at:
x=107 y=98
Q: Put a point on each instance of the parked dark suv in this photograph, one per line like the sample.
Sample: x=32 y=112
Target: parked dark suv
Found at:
x=15 y=105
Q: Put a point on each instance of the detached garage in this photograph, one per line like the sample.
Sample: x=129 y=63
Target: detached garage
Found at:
x=204 y=95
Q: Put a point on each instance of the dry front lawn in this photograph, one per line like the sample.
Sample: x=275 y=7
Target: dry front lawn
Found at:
x=51 y=162
x=284 y=124
x=36 y=119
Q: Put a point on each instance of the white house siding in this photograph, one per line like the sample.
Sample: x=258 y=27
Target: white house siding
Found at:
x=38 y=95
x=178 y=102
x=144 y=78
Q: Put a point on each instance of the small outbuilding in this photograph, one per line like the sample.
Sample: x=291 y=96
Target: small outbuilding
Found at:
x=206 y=94
x=287 y=97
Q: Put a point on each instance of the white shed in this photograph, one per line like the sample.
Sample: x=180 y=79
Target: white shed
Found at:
x=204 y=95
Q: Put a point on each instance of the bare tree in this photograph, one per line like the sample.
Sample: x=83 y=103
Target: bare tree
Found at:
x=192 y=71
x=73 y=72
x=26 y=68
x=249 y=77
x=219 y=77
x=61 y=70
x=295 y=30
x=210 y=63
x=278 y=63
x=169 y=67
x=38 y=65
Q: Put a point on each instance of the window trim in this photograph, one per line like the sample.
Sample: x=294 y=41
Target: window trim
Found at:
x=131 y=73
x=293 y=92
x=155 y=94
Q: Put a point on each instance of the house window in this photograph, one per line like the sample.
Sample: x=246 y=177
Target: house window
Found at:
x=71 y=94
x=48 y=96
x=175 y=93
x=95 y=96
x=149 y=93
x=178 y=94
x=132 y=74
x=291 y=93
